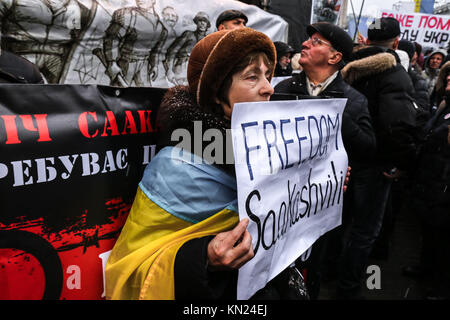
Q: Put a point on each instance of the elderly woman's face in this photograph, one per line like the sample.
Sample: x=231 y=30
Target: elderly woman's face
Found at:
x=249 y=85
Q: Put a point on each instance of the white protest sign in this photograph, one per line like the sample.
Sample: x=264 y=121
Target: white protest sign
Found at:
x=426 y=29
x=290 y=167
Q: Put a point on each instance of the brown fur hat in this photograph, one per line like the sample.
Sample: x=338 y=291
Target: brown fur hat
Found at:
x=214 y=56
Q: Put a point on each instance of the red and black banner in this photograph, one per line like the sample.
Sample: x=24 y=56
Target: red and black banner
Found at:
x=71 y=157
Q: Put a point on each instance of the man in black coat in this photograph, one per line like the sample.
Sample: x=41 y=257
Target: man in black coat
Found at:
x=322 y=56
x=431 y=195
x=376 y=72
x=15 y=69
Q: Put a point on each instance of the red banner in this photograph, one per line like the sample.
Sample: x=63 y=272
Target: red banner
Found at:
x=427 y=29
x=71 y=159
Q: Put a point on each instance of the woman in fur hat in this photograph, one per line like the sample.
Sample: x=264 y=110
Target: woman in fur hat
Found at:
x=183 y=238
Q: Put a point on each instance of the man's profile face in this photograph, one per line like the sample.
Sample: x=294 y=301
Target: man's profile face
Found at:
x=315 y=55
x=232 y=24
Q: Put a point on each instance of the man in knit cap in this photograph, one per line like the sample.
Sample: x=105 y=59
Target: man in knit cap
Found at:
x=375 y=71
x=231 y=19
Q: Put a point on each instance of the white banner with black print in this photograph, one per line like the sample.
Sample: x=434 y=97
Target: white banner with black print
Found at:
x=118 y=42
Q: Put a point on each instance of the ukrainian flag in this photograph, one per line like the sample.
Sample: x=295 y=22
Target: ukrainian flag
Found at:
x=179 y=198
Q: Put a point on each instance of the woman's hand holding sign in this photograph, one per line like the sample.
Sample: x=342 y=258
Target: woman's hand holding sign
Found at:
x=231 y=249
x=347 y=178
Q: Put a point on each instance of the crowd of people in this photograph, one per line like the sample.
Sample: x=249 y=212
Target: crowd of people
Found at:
x=183 y=238
x=395 y=109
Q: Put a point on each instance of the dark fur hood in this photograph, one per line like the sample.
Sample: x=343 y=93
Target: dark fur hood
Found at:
x=368 y=61
x=178 y=110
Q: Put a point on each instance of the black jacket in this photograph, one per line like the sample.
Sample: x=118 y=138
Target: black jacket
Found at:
x=15 y=69
x=280 y=72
x=431 y=180
x=377 y=74
x=357 y=133
x=420 y=89
x=431 y=187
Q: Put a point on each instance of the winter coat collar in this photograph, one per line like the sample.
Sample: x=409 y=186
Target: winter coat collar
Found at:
x=178 y=110
x=298 y=87
x=369 y=61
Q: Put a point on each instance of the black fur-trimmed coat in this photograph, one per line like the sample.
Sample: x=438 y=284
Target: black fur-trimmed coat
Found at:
x=377 y=74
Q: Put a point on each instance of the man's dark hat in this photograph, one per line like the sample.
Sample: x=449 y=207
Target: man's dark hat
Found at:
x=385 y=28
x=230 y=15
x=407 y=46
x=339 y=39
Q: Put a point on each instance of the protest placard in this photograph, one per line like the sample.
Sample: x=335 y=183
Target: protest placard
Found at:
x=118 y=42
x=290 y=168
x=426 y=29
